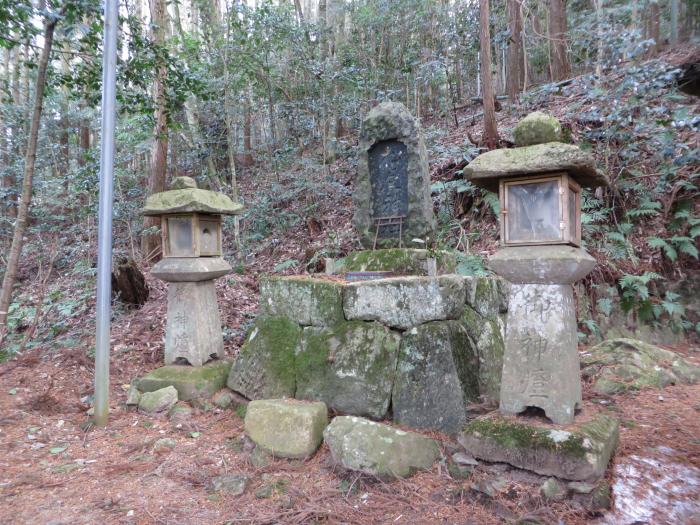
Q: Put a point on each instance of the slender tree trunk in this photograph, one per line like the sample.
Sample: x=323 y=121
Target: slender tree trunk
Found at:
x=490 y=136
x=247 y=132
x=514 y=80
x=654 y=26
x=9 y=202
x=675 y=8
x=561 y=68
x=598 y=6
x=10 y=276
x=150 y=242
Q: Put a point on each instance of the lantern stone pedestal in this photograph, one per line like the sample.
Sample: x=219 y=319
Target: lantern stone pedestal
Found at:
x=541 y=363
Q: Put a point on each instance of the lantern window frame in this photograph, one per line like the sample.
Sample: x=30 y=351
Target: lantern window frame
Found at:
x=565 y=183
x=195 y=225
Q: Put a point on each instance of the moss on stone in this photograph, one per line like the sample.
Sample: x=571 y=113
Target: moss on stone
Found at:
x=191 y=200
x=537 y=128
x=264 y=367
x=191 y=382
x=403 y=261
x=305 y=300
x=510 y=434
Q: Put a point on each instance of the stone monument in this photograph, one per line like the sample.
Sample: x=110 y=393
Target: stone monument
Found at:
x=392 y=190
x=191 y=233
x=541 y=257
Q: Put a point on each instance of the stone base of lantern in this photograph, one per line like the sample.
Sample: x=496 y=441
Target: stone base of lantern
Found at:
x=541 y=363
x=193 y=330
x=191 y=382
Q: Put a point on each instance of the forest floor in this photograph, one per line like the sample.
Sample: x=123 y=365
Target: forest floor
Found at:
x=56 y=468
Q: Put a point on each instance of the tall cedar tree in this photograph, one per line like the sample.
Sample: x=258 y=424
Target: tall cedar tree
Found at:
x=150 y=242
x=490 y=136
x=516 y=67
x=561 y=69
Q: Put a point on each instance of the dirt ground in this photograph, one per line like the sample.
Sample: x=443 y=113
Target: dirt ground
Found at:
x=55 y=469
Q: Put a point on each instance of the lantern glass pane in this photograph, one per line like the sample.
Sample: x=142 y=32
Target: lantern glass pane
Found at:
x=572 y=215
x=533 y=212
x=208 y=237
x=180 y=236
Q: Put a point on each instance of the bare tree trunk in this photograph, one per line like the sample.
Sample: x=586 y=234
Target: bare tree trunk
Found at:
x=150 y=241
x=490 y=136
x=9 y=203
x=561 y=68
x=598 y=6
x=675 y=8
x=655 y=25
x=515 y=78
x=247 y=132
x=10 y=276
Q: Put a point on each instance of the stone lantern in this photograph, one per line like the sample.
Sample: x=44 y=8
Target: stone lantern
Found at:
x=191 y=236
x=539 y=188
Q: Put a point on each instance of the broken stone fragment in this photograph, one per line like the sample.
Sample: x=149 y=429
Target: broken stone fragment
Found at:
x=158 y=401
x=377 y=449
x=553 y=489
x=232 y=484
x=286 y=428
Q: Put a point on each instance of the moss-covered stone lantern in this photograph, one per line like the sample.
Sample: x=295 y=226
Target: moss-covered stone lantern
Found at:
x=539 y=185
x=191 y=234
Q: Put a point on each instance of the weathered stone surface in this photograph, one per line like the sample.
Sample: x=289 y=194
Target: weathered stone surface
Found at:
x=306 y=301
x=264 y=367
x=286 y=427
x=392 y=158
x=191 y=382
x=350 y=366
x=579 y=453
x=401 y=261
x=377 y=449
x=488 y=168
x=193 y=329
x=541 y=363
x=164 y=445
x=488 y=296
x=619 y=365
x=403 y=302
x=537 y=128
x=437 y=376
x=181 y=183
x=159 y=401
x=232 y=484
x=134 y=395
x=225 y=398
x=554 y=490
x=190 y=269
x=486 y=335
x=542 y=264
x=191 y=200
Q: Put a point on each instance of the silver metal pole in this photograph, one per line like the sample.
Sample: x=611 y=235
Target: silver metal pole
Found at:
x=104 y=235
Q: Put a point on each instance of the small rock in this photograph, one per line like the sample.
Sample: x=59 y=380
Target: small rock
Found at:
x=159 y=401
x=600 y=498
x=579 y=487
x=233 y=484
x=226 y=398
x=552 y=489
x=134 y=395
x=180 y=413
x=264 y=492
x=377 y=449
x=286 y=428
x=259 y=458
x=490 y=487
x=164 y=444
x=458 y=471
x=463 y=459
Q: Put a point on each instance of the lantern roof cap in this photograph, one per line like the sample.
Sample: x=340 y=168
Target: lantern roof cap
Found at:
x=488 y=168
x=187 y=198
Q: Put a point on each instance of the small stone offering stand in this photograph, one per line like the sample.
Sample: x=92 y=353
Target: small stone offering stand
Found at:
x=539 y=187
x=192 y=236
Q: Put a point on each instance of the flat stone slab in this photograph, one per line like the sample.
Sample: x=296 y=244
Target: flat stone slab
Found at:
x=264 y=367
x=403 y=302
x=304 y=300
x=350 y=366
x=190 y=269
x=437 y=376
x=400 y=261
x=191 y=382
x=542 y=264
x=377 y=449
x=579 y=452
x=286 y=428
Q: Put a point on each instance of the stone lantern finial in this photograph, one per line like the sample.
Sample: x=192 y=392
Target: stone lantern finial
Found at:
x=537 y=128
x=182 y=183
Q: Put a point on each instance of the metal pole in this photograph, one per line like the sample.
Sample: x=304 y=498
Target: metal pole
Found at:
x=104 y=235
